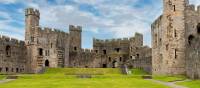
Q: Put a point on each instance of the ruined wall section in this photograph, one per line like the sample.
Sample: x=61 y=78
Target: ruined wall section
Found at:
x=11 y=60
x=193 y=41
x=112 y=52
x=51 y=48
x=157 y=53
x=135 y=44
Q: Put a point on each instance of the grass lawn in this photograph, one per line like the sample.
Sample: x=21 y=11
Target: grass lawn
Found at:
x=191 y=84
x=2 y=77
x=67 y=78
x=170 y=78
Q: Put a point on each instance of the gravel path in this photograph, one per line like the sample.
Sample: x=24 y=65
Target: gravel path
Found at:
x=170 y=84
x=6 y=80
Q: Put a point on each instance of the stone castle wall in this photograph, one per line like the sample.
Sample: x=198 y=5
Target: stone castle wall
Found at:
x=12 y=55
x=46 y=47
x=175 y=40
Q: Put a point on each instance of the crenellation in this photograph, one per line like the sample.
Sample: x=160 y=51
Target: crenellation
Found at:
x=31 y=11
x=191 y=7
x=75 y=28
x=175 y=39
x=49 y=47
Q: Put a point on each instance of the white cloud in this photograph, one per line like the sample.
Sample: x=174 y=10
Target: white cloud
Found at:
x=195 y=2
x=117 y=17
x=8 y=1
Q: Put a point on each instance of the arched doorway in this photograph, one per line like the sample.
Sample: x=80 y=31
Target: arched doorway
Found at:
x=114 y=64
x=46 y=63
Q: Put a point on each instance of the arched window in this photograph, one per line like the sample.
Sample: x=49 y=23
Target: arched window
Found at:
x=190 y=38
x=8 y=51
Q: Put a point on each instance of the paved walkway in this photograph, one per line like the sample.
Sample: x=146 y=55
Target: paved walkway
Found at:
x=170 y=84
x=6 y=80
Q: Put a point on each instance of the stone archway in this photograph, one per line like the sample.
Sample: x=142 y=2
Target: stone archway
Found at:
x=46 y=63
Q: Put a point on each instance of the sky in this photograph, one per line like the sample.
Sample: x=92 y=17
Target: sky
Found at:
x=101 y=19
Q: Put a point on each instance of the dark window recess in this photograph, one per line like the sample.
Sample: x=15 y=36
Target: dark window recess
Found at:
x=12 y=70
x=8 y=51
x=96 y=51
x=104 y=65
x=0 y=69
x=131 y=57
x=190 y=38
x=109 y=59
x=17 y=69
x=7 y=69
x=137 y=55
x=167 y=46
x=174 y=7
x=175 y=34
x=175 y=53
x=75 y=48
x=40 y=51
x=198 y=28
x=104 y=52
x=120 y=59
x=117 y=49
x=51 y=45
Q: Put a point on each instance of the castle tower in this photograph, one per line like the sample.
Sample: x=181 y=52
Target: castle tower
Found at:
x=173 y=38
x=138 y=40
x=75 y=38
x=32 y=17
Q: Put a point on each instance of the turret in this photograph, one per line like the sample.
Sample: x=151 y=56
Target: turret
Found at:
x=75 y=37
x=32 y=17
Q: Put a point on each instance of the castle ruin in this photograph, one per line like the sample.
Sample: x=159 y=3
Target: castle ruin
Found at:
x=175 y=40
x=47 y=47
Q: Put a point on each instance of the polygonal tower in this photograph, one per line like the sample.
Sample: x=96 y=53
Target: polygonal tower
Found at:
x=173 y=40
x=32 y=17
x=75 y=38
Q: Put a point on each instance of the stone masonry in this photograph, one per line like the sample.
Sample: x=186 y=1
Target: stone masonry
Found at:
x=47 y=47
x=175 y=40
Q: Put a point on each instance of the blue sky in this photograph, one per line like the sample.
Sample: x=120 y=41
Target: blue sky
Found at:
x=102 y=19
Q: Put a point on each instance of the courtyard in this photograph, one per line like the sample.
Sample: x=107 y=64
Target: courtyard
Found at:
x=94 y=78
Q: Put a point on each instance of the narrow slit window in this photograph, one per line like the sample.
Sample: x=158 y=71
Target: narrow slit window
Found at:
x=174 y=8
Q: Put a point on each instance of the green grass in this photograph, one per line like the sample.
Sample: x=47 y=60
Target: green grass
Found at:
x=66 y=78
x=169 y=78
x=74 y=71
x=2 y=77
x=138 y=72
x=190 y=84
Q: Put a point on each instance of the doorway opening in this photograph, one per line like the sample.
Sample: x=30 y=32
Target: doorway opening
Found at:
x=47 y=63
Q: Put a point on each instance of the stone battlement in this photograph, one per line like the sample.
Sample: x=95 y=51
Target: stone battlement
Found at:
x=87 y=50
x=31 y=11
x=110 y=40
x=12 y=40
x=192 y=8
x=115 y=40
x=75 y=28
x=49 y=30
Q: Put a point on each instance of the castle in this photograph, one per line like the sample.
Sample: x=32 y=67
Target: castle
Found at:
x=176 y=40
x=47 y=47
